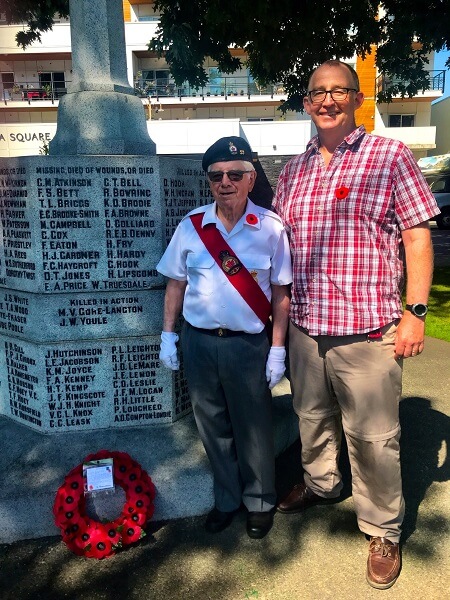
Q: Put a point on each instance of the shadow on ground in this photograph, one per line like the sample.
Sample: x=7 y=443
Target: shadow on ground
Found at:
x=425 y=444
x=178 y=559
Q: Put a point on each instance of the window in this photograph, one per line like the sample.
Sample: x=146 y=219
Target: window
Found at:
x=252 y=119
x=401 y=120
x=221 y=84
x=8 y=81
x=441 y=185
x=215 y=81
x=160 y=76
x=144 y=12
x=6 y=86
x=156 y=82
x=56 y=80
x=54 y=84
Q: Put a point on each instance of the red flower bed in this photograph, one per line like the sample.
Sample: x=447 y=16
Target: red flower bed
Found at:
x=85 y=536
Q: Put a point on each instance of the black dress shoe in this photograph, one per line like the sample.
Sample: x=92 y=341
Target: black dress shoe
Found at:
x=218 y=521
x=259 y=524
x=300 y=498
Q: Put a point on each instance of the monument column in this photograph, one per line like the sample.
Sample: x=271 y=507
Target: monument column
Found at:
x=100 y=114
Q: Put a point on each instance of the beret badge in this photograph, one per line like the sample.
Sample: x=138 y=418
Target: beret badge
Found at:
x=232 y=148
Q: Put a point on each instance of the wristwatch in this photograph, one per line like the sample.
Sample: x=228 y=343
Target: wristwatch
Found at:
x=419 y=310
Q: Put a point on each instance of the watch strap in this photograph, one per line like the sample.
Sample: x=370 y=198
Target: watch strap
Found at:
x=412 y=308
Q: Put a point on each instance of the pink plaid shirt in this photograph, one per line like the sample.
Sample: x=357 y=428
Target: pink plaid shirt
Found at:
x=344 y=222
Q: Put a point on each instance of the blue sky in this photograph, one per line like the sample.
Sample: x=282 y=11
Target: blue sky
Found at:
x=439 y=63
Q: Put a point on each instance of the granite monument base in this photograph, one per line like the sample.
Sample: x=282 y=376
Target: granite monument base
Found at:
x=78 y=386
x=33 y=466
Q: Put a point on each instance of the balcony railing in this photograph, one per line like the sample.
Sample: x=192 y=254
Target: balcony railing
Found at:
x=217 y=87
x=220 y=87
x=31 y=91
x=436 y=78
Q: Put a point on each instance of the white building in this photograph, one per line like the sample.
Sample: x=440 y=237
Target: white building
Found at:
x=440 y=118
x=182 y=120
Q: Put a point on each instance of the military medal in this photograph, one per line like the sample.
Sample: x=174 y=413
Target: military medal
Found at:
x=230 y=264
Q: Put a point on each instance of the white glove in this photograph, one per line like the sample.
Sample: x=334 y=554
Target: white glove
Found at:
x=168 y=352
x=275 y=366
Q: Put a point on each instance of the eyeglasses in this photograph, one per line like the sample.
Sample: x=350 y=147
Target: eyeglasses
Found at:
x=217 y=176
x=338 y=94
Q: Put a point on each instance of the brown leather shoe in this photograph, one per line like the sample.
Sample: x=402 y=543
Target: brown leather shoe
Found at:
x=383 y=564
x=300 y=498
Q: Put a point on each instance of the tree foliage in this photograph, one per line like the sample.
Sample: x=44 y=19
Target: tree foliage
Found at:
x=283 y=40
x=37 y=14
x=286 y=39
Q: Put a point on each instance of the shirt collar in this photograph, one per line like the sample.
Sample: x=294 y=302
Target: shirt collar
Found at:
x=209 y=216
x=350 y=140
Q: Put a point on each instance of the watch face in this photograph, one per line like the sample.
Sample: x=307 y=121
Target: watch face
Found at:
x=420 y=310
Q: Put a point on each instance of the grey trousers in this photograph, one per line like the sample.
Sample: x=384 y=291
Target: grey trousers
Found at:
x=232 y=407
x=345 y=382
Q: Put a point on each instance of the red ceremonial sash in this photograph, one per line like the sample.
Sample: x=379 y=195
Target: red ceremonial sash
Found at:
x=232 y=267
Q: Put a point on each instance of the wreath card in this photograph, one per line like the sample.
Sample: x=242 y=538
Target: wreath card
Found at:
x=98 y=475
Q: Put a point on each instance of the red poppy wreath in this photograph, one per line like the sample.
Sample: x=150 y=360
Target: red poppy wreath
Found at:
x=93 y=539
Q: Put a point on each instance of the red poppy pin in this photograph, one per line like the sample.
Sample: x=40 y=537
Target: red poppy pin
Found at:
x=251 y=219
x=342 y=192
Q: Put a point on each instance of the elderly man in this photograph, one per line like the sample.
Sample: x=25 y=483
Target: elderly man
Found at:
x=229 y=268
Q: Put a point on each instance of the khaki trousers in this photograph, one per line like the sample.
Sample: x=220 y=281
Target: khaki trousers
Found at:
x=346 y=382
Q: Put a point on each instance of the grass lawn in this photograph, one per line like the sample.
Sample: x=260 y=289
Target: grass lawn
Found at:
x=438 y=317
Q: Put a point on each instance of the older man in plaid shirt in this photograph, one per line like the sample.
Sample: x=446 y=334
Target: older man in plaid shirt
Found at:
x=356 y=209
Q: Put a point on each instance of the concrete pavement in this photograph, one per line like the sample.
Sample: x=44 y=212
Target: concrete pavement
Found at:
x=312 y=556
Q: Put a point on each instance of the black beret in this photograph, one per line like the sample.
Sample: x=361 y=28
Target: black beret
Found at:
x=226 y=149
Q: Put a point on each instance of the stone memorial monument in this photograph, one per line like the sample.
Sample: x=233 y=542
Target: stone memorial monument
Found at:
x=82 y=231
x=81 y=303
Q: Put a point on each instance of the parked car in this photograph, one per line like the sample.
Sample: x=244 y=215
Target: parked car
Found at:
x=440 y=186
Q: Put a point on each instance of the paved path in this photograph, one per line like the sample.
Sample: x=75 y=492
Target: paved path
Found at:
x=314 y=556
x=441 y=244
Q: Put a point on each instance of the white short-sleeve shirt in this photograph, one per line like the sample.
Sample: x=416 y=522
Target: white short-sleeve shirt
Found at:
x=211 y=301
